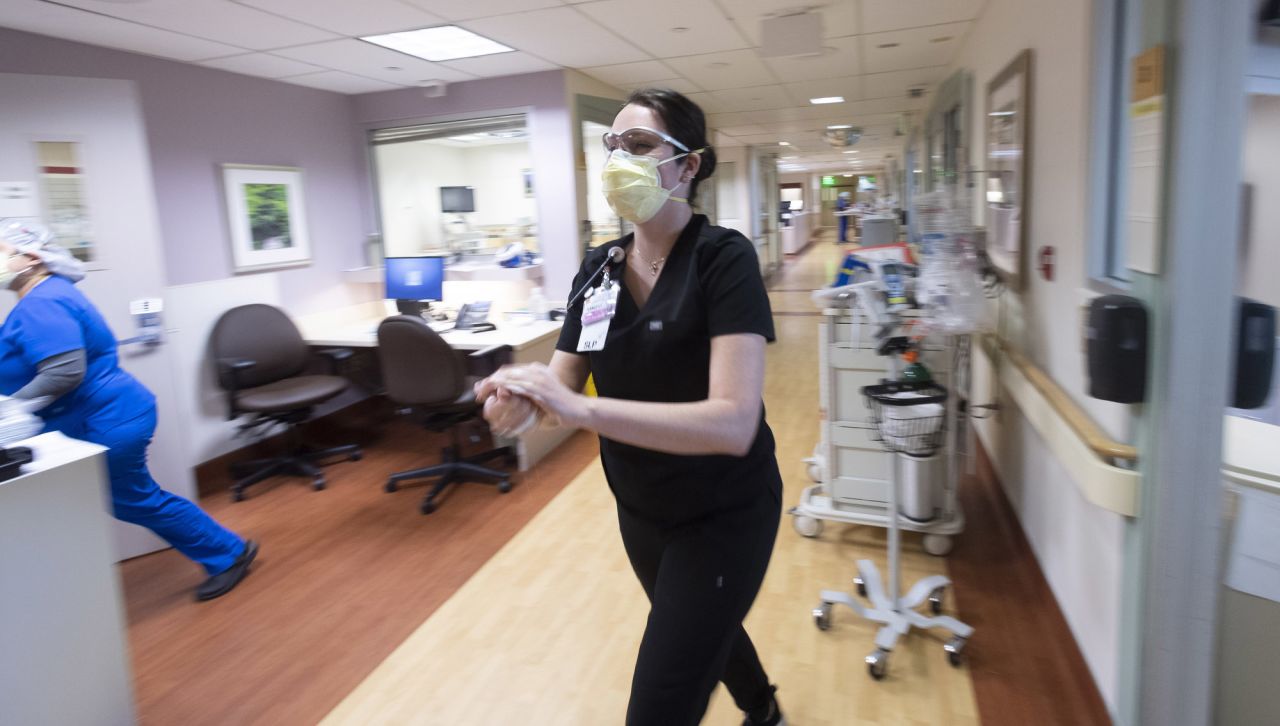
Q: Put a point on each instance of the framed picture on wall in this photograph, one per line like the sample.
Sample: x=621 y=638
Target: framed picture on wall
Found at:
x=1008 y=188
x=526 y=176
x=266 y=215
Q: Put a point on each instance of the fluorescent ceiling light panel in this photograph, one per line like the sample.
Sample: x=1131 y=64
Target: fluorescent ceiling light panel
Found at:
x=849 y=152
x=441 y=43
x=834 y=127
x=827 y=99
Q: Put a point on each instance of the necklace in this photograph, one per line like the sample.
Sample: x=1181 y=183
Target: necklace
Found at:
x=653 y=265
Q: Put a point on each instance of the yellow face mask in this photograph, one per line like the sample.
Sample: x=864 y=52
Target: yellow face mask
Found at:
x=632 y=185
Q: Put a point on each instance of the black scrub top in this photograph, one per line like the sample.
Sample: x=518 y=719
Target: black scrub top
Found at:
x=710 y=285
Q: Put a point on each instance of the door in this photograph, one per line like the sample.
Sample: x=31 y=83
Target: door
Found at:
x=80 y=145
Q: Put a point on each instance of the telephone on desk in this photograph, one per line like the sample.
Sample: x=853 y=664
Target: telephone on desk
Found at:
x=474 y=317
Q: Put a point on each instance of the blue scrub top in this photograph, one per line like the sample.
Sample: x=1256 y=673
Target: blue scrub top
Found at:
x=56 y=318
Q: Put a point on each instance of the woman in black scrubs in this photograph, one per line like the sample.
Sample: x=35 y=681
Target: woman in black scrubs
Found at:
x=680 y=414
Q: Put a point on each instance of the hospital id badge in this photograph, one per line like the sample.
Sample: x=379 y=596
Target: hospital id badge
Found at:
x=597 y=314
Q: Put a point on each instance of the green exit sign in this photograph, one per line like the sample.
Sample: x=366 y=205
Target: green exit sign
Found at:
x=828 y=181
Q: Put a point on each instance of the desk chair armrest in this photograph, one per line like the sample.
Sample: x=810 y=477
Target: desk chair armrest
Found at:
x=487 y=360
x=336 y=356
x=233 y=367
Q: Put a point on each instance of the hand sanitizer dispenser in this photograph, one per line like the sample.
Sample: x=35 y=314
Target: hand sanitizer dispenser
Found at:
x=1117 y=349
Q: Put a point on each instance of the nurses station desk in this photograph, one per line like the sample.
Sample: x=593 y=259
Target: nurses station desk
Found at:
x=530 y=342
x=63 y=652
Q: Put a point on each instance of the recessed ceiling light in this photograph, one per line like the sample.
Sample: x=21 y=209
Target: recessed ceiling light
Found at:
x=888 y=45
x=840 y=126
x=679 y=29
x=441 y=43
x=942 y=39
x=787 y=157
x=846 y=176
x=852 y=151
x=784 y=143
x=827 y=99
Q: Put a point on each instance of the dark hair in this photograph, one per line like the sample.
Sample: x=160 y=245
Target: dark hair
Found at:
x=685 y=122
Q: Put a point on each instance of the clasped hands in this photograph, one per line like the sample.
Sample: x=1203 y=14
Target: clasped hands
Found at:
x=517 y=397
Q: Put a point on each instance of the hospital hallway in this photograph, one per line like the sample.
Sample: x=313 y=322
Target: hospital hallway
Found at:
x=523 y=608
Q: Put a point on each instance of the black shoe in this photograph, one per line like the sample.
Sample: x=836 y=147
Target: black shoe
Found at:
x=223 y=582
x=767 y=715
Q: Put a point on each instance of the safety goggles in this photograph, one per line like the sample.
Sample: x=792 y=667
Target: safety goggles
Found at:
x=639 y=140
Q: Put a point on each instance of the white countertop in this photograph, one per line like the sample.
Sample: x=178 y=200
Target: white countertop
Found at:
x=1251 y=452
x=52 y=450
x=364 y=334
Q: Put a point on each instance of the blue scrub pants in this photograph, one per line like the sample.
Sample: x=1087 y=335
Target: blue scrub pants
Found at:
x=138 y=499
x=844 y=229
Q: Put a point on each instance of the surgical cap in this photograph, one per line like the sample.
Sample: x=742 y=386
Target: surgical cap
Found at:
x=35 y=239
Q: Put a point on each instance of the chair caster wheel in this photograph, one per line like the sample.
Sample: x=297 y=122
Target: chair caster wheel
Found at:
x=955 y=651
x=504 y=486
x=427 y=507
x=935 y=601
x=861 y=586
x=822 y=616
x=391 y=487
x=357 y=456
x=237 y=496
x=878 y=664
x=318 y=483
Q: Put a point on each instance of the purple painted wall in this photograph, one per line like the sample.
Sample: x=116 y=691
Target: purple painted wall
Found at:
x=198 y=118
x=544 y=97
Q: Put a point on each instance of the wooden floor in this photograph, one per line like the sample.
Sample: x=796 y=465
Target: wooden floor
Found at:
x=344 y=576
x=521 y=609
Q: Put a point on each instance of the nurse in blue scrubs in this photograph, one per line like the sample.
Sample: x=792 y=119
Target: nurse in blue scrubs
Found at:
x=55 y=345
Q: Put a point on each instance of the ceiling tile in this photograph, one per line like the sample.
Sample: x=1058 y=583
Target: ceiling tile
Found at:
x=262 y=64
x=372 y=61
x=216 y=20
x=500 y=64
x=707 y=102
x=631 y=73
x=366 y=17
x=561 y=35
x=340 y=82
x=914 y=48
x=748 y=99
x=896 y=83
x=850 y=87
x=654 y=25
x=678 y=85
x=839 y=17
x=744 y=130
x=839 y=58
x=471 y=9
x=730 y=69
x=62 y=22
x=882 y=15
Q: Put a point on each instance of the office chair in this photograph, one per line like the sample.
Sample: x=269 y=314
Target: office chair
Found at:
x=421 y=372
x=260 y=358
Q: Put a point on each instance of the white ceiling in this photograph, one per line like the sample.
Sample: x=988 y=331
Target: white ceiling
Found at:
x=874 y=52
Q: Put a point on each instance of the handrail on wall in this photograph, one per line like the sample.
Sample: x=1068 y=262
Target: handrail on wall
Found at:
x=1088 y=454
x=1094 y=437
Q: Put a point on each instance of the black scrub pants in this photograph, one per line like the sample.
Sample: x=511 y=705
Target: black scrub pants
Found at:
x=701 y=579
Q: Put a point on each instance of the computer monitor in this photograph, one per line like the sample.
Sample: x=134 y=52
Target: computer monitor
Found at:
x=457 y=200
x=410 y=280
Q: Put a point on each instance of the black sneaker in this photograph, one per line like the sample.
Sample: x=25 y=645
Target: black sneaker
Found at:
x=223 y=582
x=768 y=715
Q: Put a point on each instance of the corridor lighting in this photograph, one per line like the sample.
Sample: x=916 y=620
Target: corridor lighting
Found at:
x=441 y=43
x=784 y=143
x=852 y=151
x=827 y=99
x=840 y=126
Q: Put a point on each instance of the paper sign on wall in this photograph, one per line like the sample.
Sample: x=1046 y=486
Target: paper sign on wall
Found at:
x=18 y=199
x=1146 y=162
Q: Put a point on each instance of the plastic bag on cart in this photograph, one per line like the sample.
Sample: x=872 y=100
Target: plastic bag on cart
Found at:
x=911 y=429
